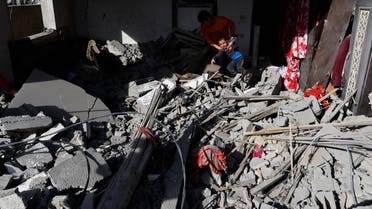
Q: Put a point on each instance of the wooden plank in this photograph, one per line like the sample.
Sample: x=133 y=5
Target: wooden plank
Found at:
x=333 y=33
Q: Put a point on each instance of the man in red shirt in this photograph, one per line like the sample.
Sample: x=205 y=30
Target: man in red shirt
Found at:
x=215 y=27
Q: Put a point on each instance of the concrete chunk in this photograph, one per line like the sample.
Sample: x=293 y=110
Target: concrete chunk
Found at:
x=257 y=163
x=12 y=202
x=47 y=136
x=24 y=123
x=4 y=181
x=74 y=172
x=35 y=156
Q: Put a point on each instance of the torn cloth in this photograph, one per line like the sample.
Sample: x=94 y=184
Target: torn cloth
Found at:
x=211 y=156
x=295 y=40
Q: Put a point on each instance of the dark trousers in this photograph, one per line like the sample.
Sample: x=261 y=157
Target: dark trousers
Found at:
x=236 y=66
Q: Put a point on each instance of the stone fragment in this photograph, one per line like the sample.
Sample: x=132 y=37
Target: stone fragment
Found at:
x=305 y=117
x=4 y=181
x=75 y=173
x=281 y=121
x=51 y=132
x=60 y=202
x=35 y=156
x=301 y=193
x=248 y=178
x=321 y=156
x=24 y=123
x=12 y=201
x=257 y=163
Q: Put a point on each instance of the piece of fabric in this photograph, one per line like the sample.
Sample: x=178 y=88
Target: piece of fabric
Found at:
x=212 y=157
x=338 y=66
x=222 y=27
x=295 y=40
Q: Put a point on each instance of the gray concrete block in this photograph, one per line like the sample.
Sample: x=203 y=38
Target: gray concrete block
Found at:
x=322 y=183
x=75 y=172
x=12 y=202
x=35 y=156
x=38 y=181
x=257 y=163
x=24 y=123
x=48 y=135
x=305 y=117
x=320 y=157
x=4 y=181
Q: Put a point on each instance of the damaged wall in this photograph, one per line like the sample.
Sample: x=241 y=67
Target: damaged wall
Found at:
x=103 y=20
x=5 y=66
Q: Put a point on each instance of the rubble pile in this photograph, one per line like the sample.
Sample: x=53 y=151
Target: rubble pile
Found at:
x=127 y=53
x=204 y=141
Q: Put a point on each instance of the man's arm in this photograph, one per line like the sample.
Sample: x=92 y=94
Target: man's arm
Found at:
x=208 y=39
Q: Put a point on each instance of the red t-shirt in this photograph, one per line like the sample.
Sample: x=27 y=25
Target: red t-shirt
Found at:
x=222 y=27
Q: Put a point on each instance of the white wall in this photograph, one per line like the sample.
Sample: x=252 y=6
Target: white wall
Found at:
x=5 y=64
x=57 y=13
x=240 y=11
x=142 y=20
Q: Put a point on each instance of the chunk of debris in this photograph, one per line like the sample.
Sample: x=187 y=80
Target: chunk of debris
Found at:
x=76 y=173
x=35 y=156
x=12 y=202
x=24 y=123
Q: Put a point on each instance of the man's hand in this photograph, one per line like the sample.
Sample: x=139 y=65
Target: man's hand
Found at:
x=213 y=61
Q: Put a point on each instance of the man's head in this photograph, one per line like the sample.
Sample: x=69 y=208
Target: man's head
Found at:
x=205 y=17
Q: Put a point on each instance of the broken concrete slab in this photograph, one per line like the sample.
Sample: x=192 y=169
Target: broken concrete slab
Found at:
x=305 y=117
x=257 y=163
x=5 y=180
x=76 y=172
x=35 y=156
x=46 y=136
x=36 y=182
x=24 y=123
x=57 y=98
x=12 y=202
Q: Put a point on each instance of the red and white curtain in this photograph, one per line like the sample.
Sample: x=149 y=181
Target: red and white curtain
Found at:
x=295 y=40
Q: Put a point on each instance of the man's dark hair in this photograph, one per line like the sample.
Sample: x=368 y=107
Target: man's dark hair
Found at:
x=204 y=15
